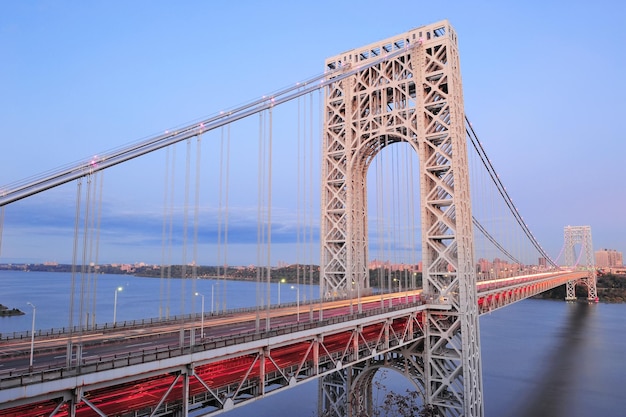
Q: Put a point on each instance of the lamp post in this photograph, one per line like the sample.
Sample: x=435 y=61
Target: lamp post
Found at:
x=202 y=313
x=282 y=281
x=118 y=289
x=297 y=302
x=32 y=335
x=212 y=287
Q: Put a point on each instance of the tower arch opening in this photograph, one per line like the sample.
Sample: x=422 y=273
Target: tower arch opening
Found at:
x=393 y=215
x=384 y=386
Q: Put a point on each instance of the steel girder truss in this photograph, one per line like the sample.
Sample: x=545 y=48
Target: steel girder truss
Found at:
x=580 y=235
x=325 y=356
x=252 y=370
x=491 y=300
x=415 y=98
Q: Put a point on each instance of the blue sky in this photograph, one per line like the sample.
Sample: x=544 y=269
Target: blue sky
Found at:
x=543 y=86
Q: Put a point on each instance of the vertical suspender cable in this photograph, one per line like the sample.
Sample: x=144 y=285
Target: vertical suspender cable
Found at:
x=300 y=156
x=506 y=230
x=476 y=209
x=412 y=242
x=485 y=200
x=395 y=217
x=170 y=241
x=477 y=194
x=492 y=215
x=97 y=255
x=164 y=234
x=220 y=193
x=83 y=272
x=79 y=184
x=226 y=195
x=269 y=215
x=486 y=211
x=505 y=233
x=388 y=209
x=183 y=267
x=83 y=266
x=321 y=145
x=259 y=288
x=379 y=226
x=310 y=212
x=223 y=215
x=407 y=216
x=302 y=190
x=90 y=266
x=219 y=220
x=487 y=214
x=261 y=208
x=194 y=270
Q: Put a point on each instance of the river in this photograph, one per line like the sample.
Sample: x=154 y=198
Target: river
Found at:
x=540 y=358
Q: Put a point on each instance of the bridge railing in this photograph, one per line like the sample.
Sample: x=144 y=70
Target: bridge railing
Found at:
x=133 y=324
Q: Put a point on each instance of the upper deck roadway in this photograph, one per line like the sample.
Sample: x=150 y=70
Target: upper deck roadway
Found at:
x=142 y=368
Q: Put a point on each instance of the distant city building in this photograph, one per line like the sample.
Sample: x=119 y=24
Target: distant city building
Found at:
x=609 y=258
x=376 y=264
x=542 y=262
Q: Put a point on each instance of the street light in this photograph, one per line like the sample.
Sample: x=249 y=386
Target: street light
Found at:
x=282 y=281
x=118 y=289
x=32 y=335
x=297 y=301
x=202 y=313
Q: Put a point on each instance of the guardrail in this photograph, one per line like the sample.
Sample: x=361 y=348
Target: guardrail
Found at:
x=132 y=324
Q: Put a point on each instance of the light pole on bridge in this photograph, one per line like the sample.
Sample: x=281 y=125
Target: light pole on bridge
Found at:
x=32 y=335
x=118 y=289
x=282 y=281
x=202 y=311
x=297 y=302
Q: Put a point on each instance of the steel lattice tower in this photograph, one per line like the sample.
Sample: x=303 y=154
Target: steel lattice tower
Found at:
x=414 y=97
x=580 y=235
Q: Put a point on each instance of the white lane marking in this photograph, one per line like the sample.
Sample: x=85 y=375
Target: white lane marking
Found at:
x=140 y=344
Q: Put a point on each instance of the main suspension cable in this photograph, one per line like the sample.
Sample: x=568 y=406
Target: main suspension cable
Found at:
x=502 y=190
x=22 y=189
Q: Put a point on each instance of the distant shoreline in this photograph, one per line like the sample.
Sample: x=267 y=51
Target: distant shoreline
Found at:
x=611 y=289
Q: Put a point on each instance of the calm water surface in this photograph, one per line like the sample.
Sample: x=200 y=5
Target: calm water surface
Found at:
x=540 y=358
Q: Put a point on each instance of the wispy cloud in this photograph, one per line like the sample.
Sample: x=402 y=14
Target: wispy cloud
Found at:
x=37 y=221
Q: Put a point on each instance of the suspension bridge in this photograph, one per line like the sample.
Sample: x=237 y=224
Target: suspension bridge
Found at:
x=415 y=233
